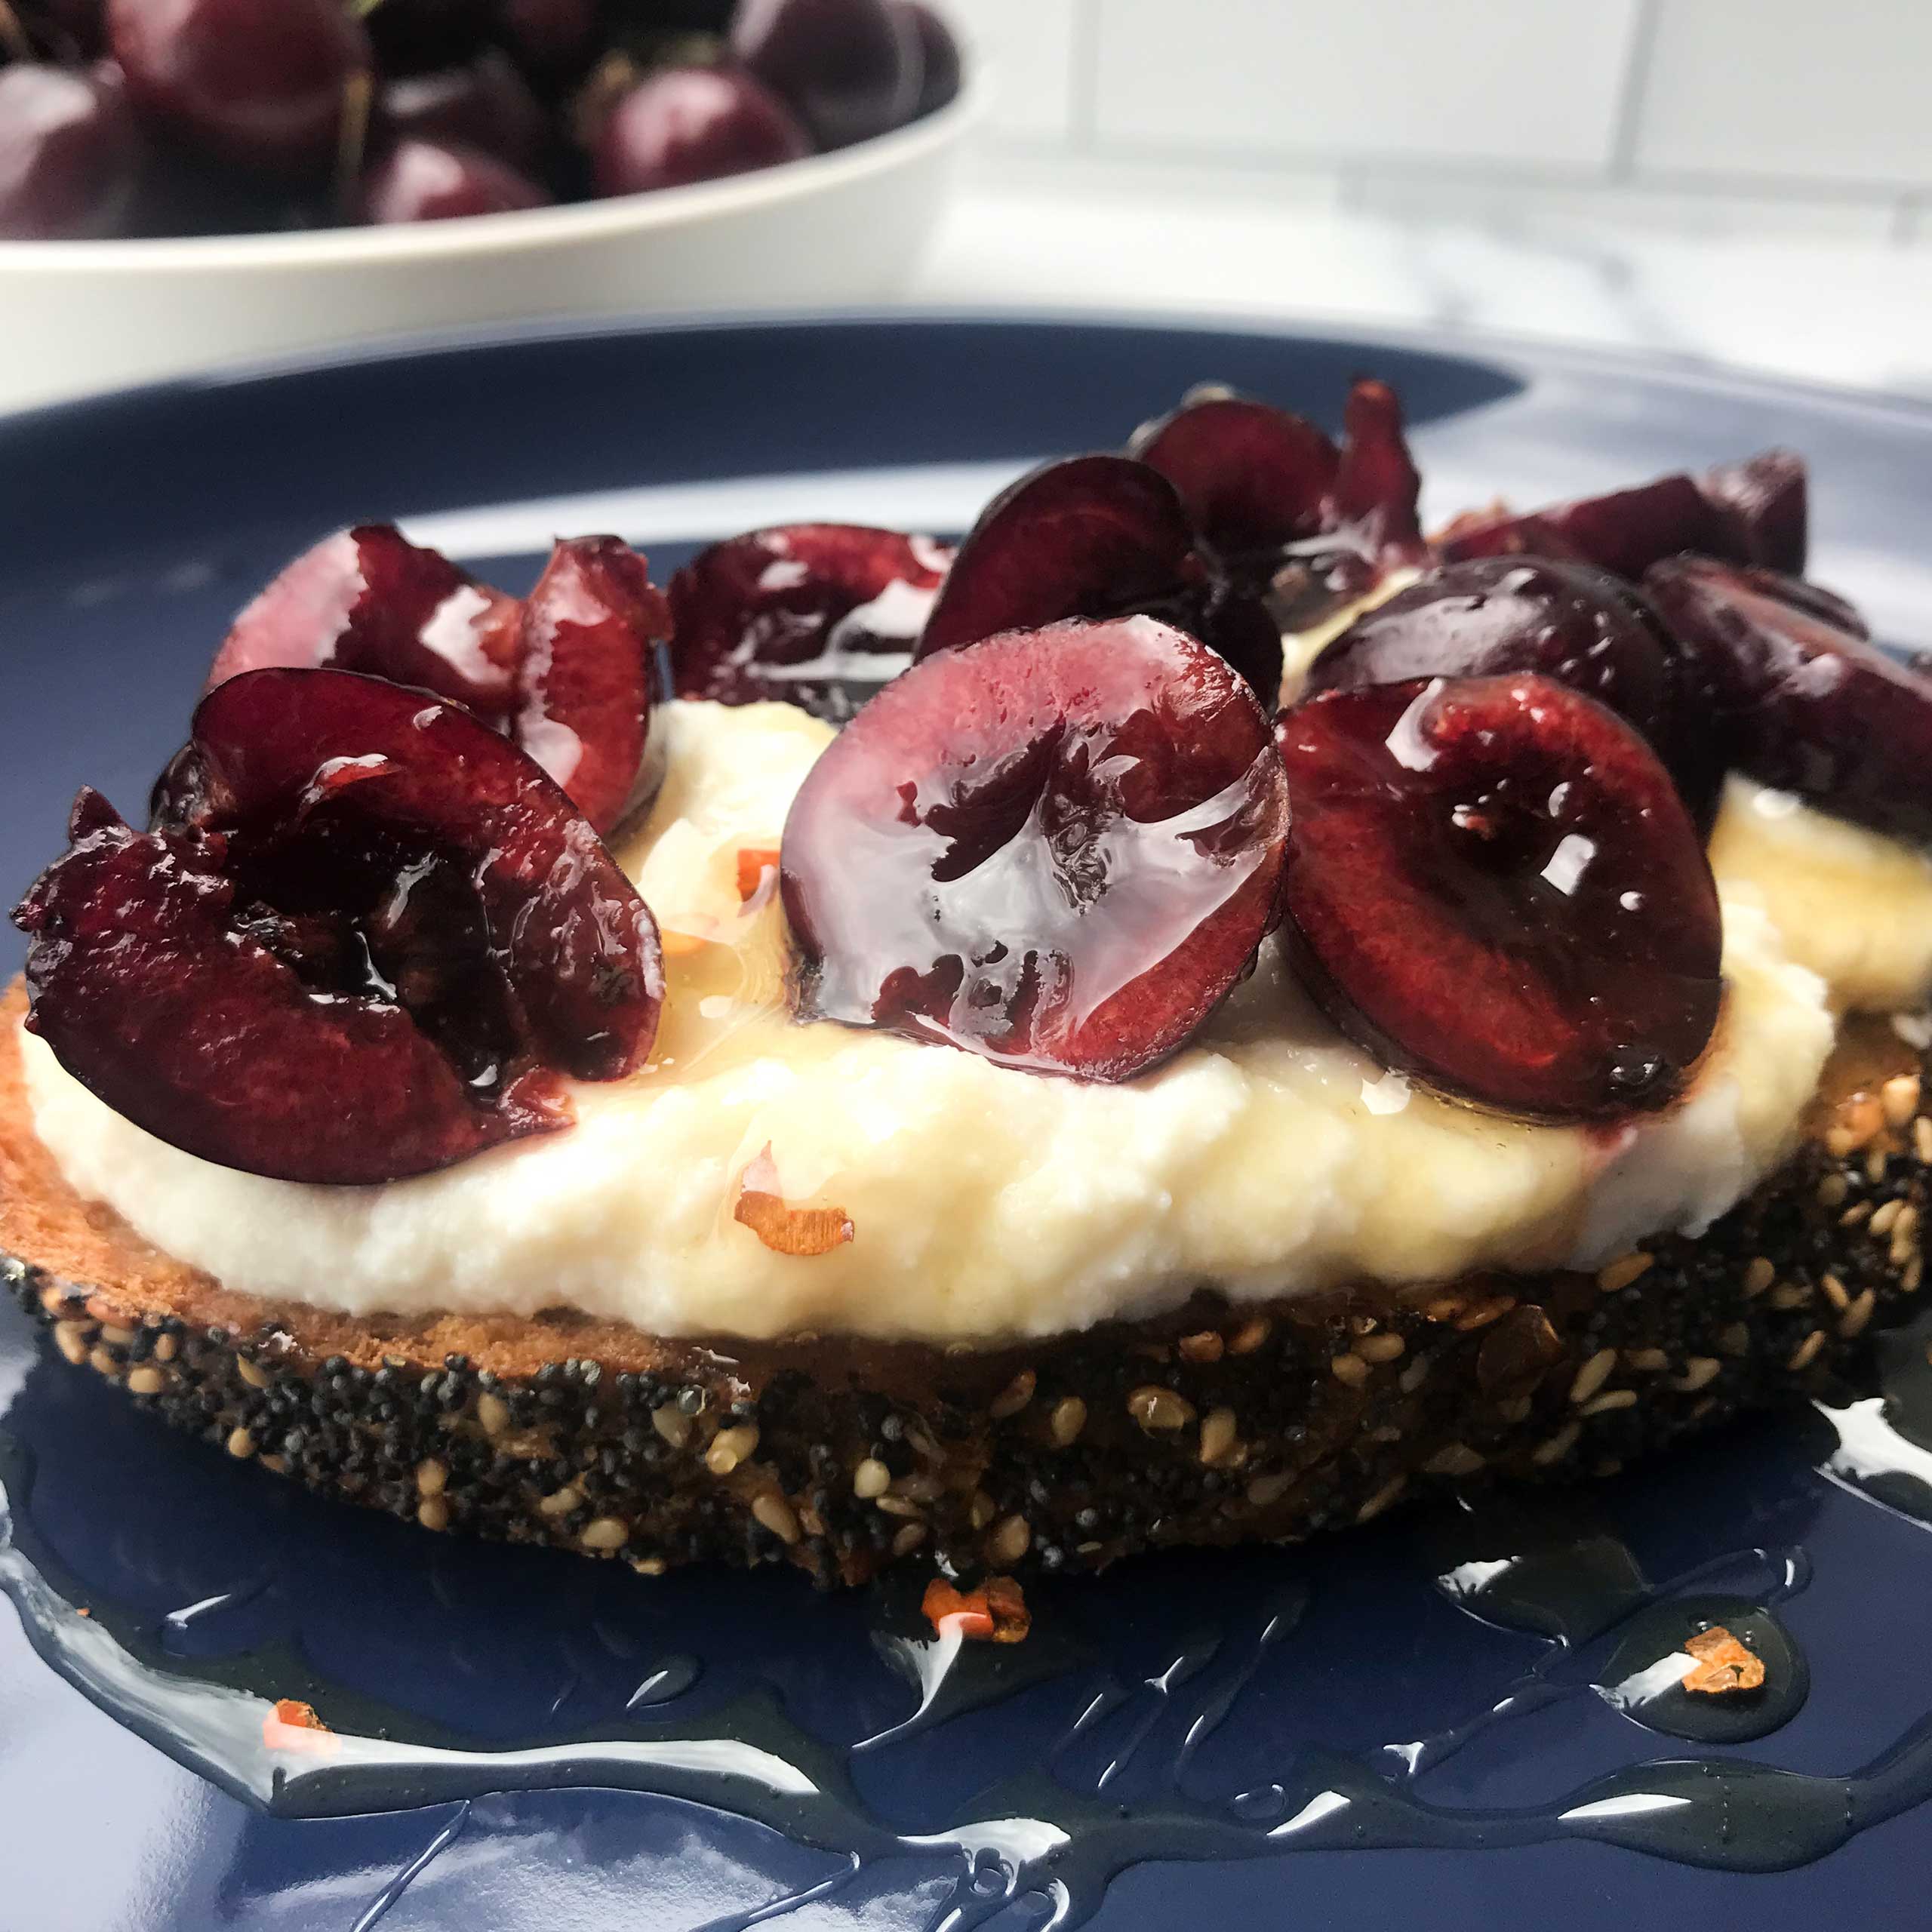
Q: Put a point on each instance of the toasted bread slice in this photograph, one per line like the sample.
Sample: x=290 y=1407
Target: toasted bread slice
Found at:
x=1217 y=1424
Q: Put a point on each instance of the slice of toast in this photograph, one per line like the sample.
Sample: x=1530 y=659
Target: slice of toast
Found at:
x=1220 y=1423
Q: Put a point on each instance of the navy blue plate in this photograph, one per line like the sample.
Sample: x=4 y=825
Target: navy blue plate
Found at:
x=1320 y=1737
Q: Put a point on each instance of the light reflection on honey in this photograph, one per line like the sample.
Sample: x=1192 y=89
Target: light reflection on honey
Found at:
x=725 y=997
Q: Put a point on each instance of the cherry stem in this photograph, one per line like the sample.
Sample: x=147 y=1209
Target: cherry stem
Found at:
x=358 y=94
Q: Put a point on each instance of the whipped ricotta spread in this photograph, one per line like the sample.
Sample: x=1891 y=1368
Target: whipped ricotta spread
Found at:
x=1269 y=1158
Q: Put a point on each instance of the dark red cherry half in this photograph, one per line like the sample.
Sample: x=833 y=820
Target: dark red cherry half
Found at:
x=1571 y=621
x=368 y=600
x=1252 y=477
x=154 y=993
x=1377 y=487
x=368 y=940
x=283 y=750
x=814 y=614
x=1763 y=502
x=1058 y=849
x=1493 y=884
x=587 y=673
x=1753 y=511
x=1230 y=622
x=1088 y=537
x=1098 y=537
x=1804 y=702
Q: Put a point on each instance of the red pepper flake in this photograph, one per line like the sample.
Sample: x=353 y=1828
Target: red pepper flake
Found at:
x=783 y=1229
x=754 y=862
x=293 y=1726
x=1723 y=1664
x=995 y=1612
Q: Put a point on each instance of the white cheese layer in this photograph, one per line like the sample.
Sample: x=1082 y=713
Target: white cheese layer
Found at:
x=1269 y=1158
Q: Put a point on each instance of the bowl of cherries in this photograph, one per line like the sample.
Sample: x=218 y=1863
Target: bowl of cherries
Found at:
x=188 y=182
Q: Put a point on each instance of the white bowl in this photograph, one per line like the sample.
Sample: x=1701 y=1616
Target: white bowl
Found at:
x=845 y=228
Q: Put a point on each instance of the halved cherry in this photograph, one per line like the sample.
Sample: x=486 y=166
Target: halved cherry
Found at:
x=586 y=674
x=1098 y=537
x=1763 y=501
x=572 y=675
x=368 y=940
x=1802 y=701
x=1256 y=481
x=1493 y=884
x=155 y=994
x=1230 y=622
x=1252 y=477
x=1753 y=511
x=815 y=614
x=367 y=599
x=1088 y=537
x=1056 y=848
x=1376 y=488
x=1568 y=621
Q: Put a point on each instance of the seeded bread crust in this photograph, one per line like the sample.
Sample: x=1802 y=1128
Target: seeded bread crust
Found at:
x=1215 y=1424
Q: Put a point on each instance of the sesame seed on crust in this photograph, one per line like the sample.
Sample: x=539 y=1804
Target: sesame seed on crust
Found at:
x=1216 y=1424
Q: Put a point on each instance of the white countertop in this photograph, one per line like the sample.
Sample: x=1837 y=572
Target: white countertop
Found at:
x=1791 y=292
x=1820 y=308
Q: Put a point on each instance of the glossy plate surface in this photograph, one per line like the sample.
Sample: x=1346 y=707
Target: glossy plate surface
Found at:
x=1309 y=1738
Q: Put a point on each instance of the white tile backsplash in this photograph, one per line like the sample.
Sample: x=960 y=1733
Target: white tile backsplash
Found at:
x=1767 y=117
x=1028 y=45
x=1786 y=90
x=1536 y=81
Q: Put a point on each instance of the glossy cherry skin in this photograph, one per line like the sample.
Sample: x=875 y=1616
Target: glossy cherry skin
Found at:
x=258 y=83
x=70 y=154
x=850 y=68
x=368 y=600
x=1753 y=511
x=1098 y=537
x=682 y=124
x=368 y=938
x=587 y=672
x=1258 y=482
x=422 y=180
x=1284 y=515
x=1252 y=477
x=1376 y=488
x=1492 y=884
x=154 y=991
x=1763 y=502
x=1802 y=701
x=1571 y=621
x=1089 y=537
x=814 y=614
x=1057 y=849
x=940 y=67
x=577 y=949
x=485 y=104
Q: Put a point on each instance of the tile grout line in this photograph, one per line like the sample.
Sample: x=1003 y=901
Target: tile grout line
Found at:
x=1083 y=77
x=1636 y=85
